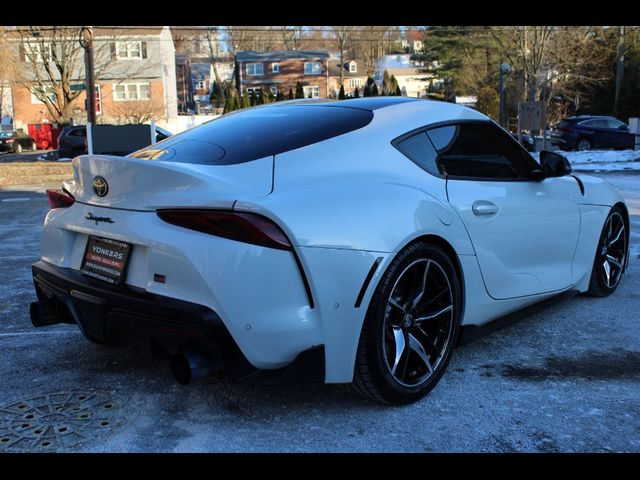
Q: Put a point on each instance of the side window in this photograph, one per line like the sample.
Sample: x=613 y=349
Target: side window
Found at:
x=420 y=151
x=596 y=124
x=615 y=124
x=480 y=150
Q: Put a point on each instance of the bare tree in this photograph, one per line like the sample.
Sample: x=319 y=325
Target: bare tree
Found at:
x=292 y=37
x=137 y=112
x=343 y=35
x=6 y=67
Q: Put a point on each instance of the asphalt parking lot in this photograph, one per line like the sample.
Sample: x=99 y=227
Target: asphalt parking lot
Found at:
x=564 y=380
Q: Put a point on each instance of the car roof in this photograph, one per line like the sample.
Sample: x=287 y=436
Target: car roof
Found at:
x=366 y=103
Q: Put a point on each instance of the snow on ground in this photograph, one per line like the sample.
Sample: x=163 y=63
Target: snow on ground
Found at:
x=602 y=160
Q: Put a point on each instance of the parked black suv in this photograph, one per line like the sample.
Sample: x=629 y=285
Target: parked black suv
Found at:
x=586 y=132
x=16 y=141
x=73 y=140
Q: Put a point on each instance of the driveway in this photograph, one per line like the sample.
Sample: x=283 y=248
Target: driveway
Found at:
x=566 y=379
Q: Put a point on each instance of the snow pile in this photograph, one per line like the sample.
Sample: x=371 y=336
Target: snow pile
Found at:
x=602 y=160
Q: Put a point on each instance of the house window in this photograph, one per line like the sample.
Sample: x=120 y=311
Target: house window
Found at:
x=42 y=91
x=128 y=50
x=199 y=85
x=255 y=91
x=132 y=91
x=355 y=82
x=311 y=92
x=275 y=68
x=255 y=69
x=274 y=90
x=353 y=67
x=37 y=51
x=312 y=68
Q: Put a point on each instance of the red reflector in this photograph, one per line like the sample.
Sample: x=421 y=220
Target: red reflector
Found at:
x=59 y=198
x=243 y=227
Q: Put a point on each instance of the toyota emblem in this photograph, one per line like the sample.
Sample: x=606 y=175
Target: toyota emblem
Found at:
x=100 y=186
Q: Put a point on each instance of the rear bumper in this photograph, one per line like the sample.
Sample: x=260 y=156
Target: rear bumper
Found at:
x=130 y=315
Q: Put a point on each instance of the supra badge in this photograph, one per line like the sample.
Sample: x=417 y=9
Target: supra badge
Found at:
x=100 y=186
x=91 y=216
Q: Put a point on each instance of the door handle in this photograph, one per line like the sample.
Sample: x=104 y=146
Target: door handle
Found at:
x=483 y=207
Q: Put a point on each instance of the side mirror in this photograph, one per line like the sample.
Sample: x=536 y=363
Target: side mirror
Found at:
x=554 y=165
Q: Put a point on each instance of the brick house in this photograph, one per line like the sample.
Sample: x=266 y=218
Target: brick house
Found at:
x=353 y=74
x=135 y=78
x=279 y=71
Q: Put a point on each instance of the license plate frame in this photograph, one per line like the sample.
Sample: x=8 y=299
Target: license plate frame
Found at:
x=105 y=259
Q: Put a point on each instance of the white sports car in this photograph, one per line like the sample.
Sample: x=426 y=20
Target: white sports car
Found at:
x=323 y=242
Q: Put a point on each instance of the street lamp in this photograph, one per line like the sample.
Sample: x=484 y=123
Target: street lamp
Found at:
x=504 y=68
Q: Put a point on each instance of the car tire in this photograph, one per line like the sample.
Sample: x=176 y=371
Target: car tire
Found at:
x=583 y=144
x=611 y=255
x=18 y=148
x=409 y=331
x=33 y=146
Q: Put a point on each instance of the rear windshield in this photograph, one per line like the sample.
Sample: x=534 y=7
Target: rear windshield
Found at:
x=256 y=133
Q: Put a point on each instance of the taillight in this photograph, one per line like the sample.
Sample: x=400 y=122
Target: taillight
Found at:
x=59 y=198
x=243 y=227
x=10 y=140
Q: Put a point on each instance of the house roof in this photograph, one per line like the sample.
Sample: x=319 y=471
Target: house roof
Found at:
x=334 y=69
x=414 y=35
x=112 y=31
x=248 y=55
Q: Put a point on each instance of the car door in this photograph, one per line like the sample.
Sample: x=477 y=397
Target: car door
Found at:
x=524 y=231
x=601 y=136
x=621 y=138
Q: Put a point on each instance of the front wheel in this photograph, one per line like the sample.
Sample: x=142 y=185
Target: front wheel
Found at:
x=19 y=148
x=610 y=256
x=410 y=327
x=584 y=144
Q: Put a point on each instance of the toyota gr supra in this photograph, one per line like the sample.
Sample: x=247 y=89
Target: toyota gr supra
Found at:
x=338 y=242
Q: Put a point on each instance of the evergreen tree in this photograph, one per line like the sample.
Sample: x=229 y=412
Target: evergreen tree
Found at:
x=341 y=95
x=252 y=99
x=299 y=90
x=216 y=95
x=290 y=96
x=356 y=94
x=398 y=91
x=260 y=97
x=246 y=101
x=368 y=87
x=279 y=96
x=394 y=87
x=374 y=92
x=488 y=102
x=386 y=84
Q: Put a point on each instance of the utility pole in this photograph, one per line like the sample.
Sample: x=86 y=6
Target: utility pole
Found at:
x=619 y=71
x=86 y=42
x=504 y=68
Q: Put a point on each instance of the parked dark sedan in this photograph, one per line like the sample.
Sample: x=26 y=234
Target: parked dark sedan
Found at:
x=586 y=132
x=73 y=140
x=16 y=141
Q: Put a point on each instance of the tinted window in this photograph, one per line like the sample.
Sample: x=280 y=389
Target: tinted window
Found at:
x=256 y=133
x=420 y=150
x=78 y=132
x=615 y=123
x=595 y=124
x=480 y=150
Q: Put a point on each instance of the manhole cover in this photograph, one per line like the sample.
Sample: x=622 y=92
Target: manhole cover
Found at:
x=56 y=420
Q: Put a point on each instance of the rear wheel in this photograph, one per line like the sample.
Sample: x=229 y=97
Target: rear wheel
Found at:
x=410 y=327
x=583 y=144
x=611 y=255
x=18 y=148
x=33 y=146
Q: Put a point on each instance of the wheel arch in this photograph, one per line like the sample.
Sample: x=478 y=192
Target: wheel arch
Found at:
x=627 y=225
x=448 y=249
